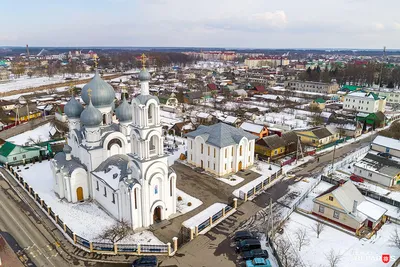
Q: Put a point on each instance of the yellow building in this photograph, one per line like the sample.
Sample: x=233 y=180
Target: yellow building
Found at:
x=344 y=205
x=270 y=146
x=318 y=137
x=318 y=103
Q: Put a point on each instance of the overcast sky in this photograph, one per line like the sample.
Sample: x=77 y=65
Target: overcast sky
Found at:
x=202 y=23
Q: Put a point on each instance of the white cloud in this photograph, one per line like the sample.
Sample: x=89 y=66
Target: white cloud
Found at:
x=277 y=19
x=397 y=26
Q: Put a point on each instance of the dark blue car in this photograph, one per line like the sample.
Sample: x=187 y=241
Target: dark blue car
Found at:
x=145 y=261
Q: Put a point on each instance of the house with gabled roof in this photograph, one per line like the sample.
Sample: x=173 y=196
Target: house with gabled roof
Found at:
x=14 y=154
x=220 y=148
x=345 y=206
x=258 y=130
x=318 y=136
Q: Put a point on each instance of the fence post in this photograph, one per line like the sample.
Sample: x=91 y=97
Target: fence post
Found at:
x=30 y=190
x=65 y=227
x=196 y=230
x=56 y=219
x=254 y=190
x=91 y=246
x=115 y=248
x=223 y=212
x=48 y=210
x=262 y=184
x=169 y=248
x=191 y=233
x=138 y=249
x=175 y=240
x=245 y=196
x=36 y=196
x=41 y=202
x=211 y=220
x=235 y=203
x=74 y=236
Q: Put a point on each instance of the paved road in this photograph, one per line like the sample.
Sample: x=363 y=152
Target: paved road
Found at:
x=214 y=248
x=16 y=220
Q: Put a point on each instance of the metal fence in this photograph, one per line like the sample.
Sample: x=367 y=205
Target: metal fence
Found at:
x=92 y=246
x=260 y=186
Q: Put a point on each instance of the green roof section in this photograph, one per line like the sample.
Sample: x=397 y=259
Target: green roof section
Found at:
x=351 y=88
x=320 y=100
x=376 y=96
x=6 y=149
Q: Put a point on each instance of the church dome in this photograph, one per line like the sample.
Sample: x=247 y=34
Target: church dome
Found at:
x=124 y=111
x=144 y=75
x=91 y=116
x=73 y=108
x=102 y=93
x=67 y=149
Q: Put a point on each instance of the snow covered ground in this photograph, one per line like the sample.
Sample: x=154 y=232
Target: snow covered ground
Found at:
x=300 y=162
x=354 y=252
x=181 y=142
x=232 y=180
x=204 y=215
x=307 y=204
x=85 y=219
x=182 y=205
x=26 y=82
x=41 y=134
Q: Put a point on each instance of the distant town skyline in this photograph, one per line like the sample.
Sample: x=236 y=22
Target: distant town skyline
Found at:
x=358 y=24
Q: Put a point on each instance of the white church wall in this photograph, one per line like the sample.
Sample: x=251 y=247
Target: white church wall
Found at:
x=79 y=178
x=106 y=197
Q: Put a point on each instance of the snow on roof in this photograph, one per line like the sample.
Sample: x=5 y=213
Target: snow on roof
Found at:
x=251 y=127
x=204 y=215
x=230 y=119
x=326 y=115
x=112 y=177
x=387 y=142
x=203 y=115
x=371 y=210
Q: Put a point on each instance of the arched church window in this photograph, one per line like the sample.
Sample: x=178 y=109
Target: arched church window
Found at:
x=135 y=196
x=150 y=113
x=104 y=119
x=170 y=187
x=241 y=150
x=156 y=190
x=114 y=141
x=153 y=144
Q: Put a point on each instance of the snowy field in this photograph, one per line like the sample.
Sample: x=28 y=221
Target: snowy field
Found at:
x=354 y=252
x=85 y=219
x=40 y=134
x=307 y=204
x=182 y=205
x=182 y=147
x=26 y=82
x=204 y=215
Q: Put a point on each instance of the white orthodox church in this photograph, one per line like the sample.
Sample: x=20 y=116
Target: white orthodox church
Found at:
x=121 y=166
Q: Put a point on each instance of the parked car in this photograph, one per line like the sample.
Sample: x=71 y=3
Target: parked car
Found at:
x=258 y=262
x=356 y=178
x=146 y=261
x=247 y=245
x=385 y=155
x=255 y=253
x=243 y=235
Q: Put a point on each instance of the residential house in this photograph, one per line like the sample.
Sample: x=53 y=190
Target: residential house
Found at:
x=313 y=87
x=205 y=118
x=318 y=136
x=24 y=113
x=250 y=116
x=259 y=89
x=291 y=141
x=232 y=120
x=318 y=103
x=15 y=154
x=378 y=169
x=7 y=105
x=181 y=128
x=271 y=146
x=345 y=206
x=240 y=93
x=212 y=87
x=258 y=130
x=386 y=145
x=371 y=120
x=364 y=102
x=195 y=97
x=220 y=148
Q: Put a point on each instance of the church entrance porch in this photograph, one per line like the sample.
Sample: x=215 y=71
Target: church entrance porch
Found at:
x=157 y=214
x=79 y=194
x=240 y=167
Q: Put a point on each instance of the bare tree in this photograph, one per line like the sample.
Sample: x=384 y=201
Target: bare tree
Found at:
x=318 y=227
x=333 y=258
x=302 y=238
x=286 y=256
x=116 y=232
x=395 y=239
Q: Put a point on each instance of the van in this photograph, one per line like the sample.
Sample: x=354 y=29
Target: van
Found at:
x=247 y=245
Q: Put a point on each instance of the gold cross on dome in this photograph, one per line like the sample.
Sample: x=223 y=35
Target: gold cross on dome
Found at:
x=95 y=58
x=144 y=59
x=89 y=92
